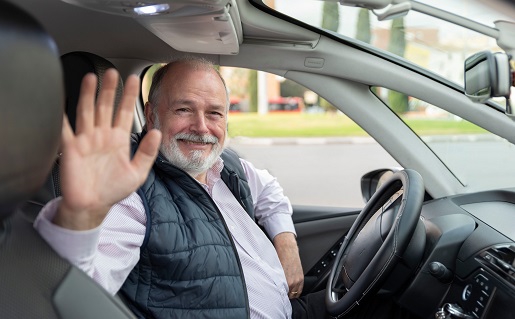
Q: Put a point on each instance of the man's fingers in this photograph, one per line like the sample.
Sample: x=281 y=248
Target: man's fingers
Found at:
x=146 y=153
x=84 y=122
x=106 y=97
x=125 y=113
x=67 y=132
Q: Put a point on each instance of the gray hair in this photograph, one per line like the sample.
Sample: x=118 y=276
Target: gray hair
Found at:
x=197 y=63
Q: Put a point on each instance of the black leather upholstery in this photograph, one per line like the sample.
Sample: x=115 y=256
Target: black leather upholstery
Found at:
x=76 y=65
x=34 y=281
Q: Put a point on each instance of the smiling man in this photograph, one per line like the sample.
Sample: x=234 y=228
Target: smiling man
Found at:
x=188 y=103
x=192 y=115
x=188 y=243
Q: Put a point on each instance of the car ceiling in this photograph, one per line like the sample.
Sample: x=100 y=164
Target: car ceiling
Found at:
x=92 y=30
x=132 y=39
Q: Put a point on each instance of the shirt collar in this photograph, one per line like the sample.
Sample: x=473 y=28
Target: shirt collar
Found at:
x=214 y=173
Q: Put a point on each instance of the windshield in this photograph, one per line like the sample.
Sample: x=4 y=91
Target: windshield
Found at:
x=439 y=47
x=436 y=45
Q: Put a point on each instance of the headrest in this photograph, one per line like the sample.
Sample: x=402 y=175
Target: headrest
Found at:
x=31 y=109
x=76 y=65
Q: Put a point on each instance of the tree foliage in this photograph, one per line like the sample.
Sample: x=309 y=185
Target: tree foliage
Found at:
x=398 y=102
x=326 y=105
x=330 y=16
x=330 y=21
x=363 y=32
x=397 y=45
x=291 y=88
x=253 y=91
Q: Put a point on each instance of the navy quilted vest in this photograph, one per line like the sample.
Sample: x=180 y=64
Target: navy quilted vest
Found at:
x=188 y=266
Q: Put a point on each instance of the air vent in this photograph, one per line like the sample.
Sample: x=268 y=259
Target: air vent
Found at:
x=500 y=259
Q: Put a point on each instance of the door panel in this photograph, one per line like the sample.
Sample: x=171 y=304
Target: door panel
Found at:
x=320 y=231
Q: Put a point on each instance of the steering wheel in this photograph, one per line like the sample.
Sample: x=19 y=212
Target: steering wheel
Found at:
x=376 y=242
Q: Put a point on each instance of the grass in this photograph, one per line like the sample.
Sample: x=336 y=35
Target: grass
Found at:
x=331 y=124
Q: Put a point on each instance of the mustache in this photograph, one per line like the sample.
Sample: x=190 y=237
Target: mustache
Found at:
x=196 y=138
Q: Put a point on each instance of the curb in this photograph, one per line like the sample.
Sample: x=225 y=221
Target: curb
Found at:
x=266 y=141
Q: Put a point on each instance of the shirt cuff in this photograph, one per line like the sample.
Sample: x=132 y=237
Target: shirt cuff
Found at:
x=279 y=223
x=76 y=246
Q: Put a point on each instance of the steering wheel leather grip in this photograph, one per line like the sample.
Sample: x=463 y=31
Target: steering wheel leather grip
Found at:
x=376 y=242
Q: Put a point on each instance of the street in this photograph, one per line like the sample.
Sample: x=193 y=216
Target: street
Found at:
x=328 y=172
x=318 y=174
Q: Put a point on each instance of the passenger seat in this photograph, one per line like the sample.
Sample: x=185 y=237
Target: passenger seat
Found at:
x=35 y=282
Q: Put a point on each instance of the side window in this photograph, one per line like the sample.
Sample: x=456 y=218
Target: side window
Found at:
x=474 y=155
x=317 y=153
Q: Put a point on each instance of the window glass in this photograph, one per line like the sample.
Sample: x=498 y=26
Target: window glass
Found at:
x=476 y=157
x=317 y=153
x=431 y=43
x=147 y=81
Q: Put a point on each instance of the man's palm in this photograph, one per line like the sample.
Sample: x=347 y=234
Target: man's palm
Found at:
x=96 y=168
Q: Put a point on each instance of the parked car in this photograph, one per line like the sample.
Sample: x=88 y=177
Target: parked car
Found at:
x=443 y=201
x=288 y=104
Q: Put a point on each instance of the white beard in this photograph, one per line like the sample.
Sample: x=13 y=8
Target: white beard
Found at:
x=193 y=163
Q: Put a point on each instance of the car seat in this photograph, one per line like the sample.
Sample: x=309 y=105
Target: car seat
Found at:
x=75 y=65
x=35 y=282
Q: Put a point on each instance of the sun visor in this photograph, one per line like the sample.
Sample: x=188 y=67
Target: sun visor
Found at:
x=198 y=26
x=214 y=32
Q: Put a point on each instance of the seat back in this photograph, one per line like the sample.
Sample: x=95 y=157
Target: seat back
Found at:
x=35 y=282
x=75 y=65
x=31 y=94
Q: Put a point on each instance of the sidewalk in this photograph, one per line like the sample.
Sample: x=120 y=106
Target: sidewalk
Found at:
x=240 y=140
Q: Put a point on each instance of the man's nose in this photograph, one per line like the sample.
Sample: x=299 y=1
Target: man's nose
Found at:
x=199 y=124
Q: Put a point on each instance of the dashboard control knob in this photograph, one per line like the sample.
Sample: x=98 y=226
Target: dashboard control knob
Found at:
x=439 y=271
x=467 y=291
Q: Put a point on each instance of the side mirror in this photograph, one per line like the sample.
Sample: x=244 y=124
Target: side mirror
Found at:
x=371 y=181
x=487 y=75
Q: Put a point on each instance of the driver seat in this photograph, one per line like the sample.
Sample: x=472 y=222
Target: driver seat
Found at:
x=35 y=281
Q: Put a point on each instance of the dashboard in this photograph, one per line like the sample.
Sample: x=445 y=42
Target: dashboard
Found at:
x=469 y=271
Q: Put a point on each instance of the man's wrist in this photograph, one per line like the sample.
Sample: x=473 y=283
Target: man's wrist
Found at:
x=78 y=220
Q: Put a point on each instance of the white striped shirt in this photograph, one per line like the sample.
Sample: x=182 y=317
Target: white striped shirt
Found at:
x=109 y=252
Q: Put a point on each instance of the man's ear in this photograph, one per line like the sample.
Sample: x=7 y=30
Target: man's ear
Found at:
x=149 y=115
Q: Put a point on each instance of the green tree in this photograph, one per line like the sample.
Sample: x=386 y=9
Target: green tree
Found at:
x=397 y=44
x=330 y=21
x=398 y=101
x=291 y=88
x=363 y=32
x=253 y=91
x=326 y=105
x=330 y=16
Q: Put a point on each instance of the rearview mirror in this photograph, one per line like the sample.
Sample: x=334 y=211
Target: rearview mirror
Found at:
x=487 y=75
